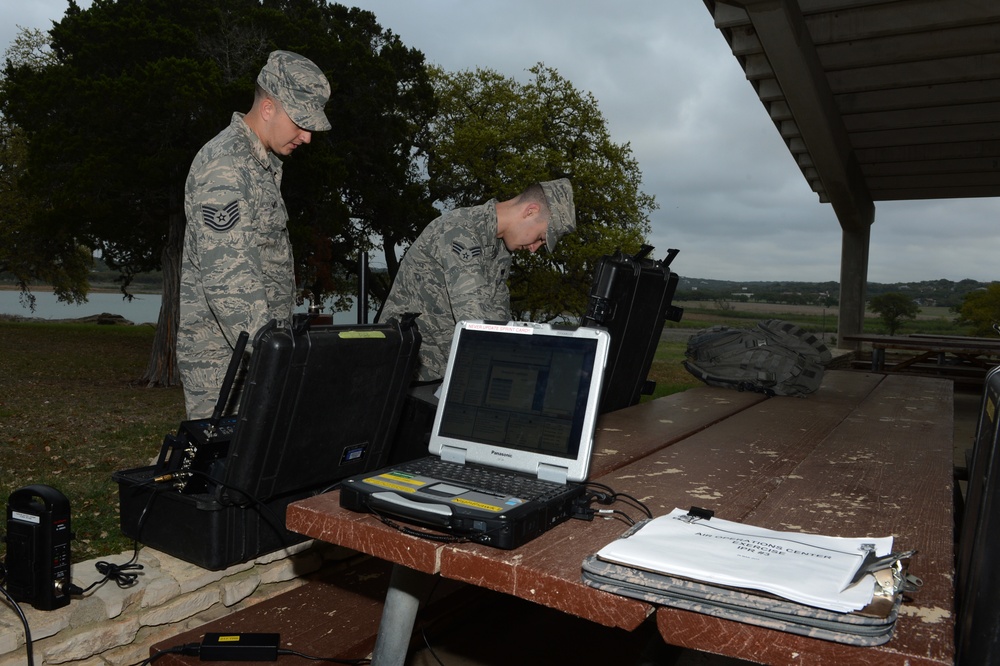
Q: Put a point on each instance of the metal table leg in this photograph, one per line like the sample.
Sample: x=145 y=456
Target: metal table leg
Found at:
x=402 y=600
x=878 y=359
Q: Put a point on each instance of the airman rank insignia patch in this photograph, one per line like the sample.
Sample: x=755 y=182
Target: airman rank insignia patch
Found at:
x=221 y=218
x=466 y=253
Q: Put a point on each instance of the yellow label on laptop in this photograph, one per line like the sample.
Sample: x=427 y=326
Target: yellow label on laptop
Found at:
x=477 y=505
x=402 y=477
x=388 y=481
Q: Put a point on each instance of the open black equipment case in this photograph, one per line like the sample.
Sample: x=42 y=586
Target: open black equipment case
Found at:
x=632 y=297
x=319 y=403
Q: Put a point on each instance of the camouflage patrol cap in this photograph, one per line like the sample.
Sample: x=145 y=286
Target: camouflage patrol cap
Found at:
x=300 y=86
x=562 y=219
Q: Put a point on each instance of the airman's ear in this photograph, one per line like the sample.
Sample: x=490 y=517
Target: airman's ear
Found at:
x=530 y=210
x=268 y=108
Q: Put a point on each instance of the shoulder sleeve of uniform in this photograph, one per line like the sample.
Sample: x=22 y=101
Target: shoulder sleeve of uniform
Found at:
x=216 y=193
x=458 y=246
x=470 y=283
x=221 y=222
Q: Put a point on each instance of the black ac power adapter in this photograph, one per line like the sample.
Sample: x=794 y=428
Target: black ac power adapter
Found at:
x=239 y=647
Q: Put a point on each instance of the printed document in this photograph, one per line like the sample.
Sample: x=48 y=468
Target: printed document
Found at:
x=807 y=568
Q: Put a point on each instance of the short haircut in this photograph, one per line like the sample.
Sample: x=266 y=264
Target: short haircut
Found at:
x=260 y=94
x=535 y=194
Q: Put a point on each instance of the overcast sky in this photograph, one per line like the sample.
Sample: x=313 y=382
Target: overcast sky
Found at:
x=731 y=198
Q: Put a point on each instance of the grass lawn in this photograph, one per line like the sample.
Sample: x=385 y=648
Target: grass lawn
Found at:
x=71 y=414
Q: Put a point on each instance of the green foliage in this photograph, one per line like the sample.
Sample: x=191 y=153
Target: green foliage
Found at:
x=494 y=135
x=981 y=310
x=892 y=308
x=30 y=253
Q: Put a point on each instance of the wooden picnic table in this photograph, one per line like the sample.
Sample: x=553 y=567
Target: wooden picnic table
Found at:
x=949 y=353
x=867 y=455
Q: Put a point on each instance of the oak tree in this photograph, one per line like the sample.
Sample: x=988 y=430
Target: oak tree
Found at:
x=892 y=309
x=494 y=135
x=981 y=309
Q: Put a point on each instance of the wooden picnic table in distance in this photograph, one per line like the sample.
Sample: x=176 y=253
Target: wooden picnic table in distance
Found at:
x=866 y=455
x=948 y=356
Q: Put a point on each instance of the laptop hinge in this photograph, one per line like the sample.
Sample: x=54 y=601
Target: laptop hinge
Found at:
x=552 y=473
x=453 y=454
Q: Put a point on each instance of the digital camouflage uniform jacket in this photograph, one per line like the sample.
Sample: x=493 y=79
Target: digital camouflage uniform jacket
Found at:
x=236 y=272
x=457 y=269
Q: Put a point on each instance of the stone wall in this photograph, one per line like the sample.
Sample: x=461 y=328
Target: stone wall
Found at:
x=111 y=625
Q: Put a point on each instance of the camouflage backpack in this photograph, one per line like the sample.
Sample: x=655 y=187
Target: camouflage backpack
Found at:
x=775 y=358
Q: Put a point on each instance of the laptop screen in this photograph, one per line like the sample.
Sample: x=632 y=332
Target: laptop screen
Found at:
x=521 y=389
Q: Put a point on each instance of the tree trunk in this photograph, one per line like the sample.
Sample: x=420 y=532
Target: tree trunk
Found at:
x=162 y=367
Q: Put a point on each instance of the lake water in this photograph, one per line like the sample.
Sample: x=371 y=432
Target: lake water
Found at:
x=143 y=308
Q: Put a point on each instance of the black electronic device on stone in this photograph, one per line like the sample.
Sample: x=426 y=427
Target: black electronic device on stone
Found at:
x=319 y=403
x=38 y=547
x=632 y=297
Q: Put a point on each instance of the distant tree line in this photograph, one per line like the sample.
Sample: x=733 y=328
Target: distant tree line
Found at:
x=941 y=293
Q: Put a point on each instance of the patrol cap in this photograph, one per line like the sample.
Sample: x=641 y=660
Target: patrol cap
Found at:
x=562 y=218
x=300 y=86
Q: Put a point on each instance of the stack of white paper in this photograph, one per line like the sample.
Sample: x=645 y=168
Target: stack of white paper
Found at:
x=806 y=568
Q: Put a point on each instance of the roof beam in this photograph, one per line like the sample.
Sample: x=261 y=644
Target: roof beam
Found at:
x=792 y=57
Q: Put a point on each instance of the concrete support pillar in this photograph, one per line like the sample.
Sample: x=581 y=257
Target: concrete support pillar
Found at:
x=853 y=282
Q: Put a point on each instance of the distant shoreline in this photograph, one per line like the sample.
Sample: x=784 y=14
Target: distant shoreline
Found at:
x=93 y=290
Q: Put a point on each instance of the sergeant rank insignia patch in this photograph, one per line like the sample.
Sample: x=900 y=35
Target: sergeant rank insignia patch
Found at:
x=221 y=218
x=465 y=253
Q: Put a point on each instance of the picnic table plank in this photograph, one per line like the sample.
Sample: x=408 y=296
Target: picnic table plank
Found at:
x=322 y=517
x=626 y=435
x=852 y=484
x=733 y=466
x=767 y=646
x=871 y=462
x=547 y=571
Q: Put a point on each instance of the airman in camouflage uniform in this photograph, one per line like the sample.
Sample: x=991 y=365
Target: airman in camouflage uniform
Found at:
x=237 y=272
x=457 y=268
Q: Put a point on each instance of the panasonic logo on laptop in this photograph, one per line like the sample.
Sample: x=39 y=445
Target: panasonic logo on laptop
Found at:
x=502 y=454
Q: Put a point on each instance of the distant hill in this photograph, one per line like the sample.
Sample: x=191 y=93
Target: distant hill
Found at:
x=942 y=293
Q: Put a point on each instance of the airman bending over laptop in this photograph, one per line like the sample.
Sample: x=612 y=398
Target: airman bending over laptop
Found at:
x=458 y=267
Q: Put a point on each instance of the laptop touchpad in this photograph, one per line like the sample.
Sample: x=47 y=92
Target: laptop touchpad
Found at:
x=444 y=490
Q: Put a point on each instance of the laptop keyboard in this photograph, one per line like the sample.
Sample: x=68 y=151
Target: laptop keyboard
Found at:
x=485 y=479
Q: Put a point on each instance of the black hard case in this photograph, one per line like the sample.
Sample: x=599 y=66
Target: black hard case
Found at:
x=319 y=403
x=631 y=296
x=978 y=549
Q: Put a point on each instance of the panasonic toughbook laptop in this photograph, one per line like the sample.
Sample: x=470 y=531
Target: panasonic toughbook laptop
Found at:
x=511 y=441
